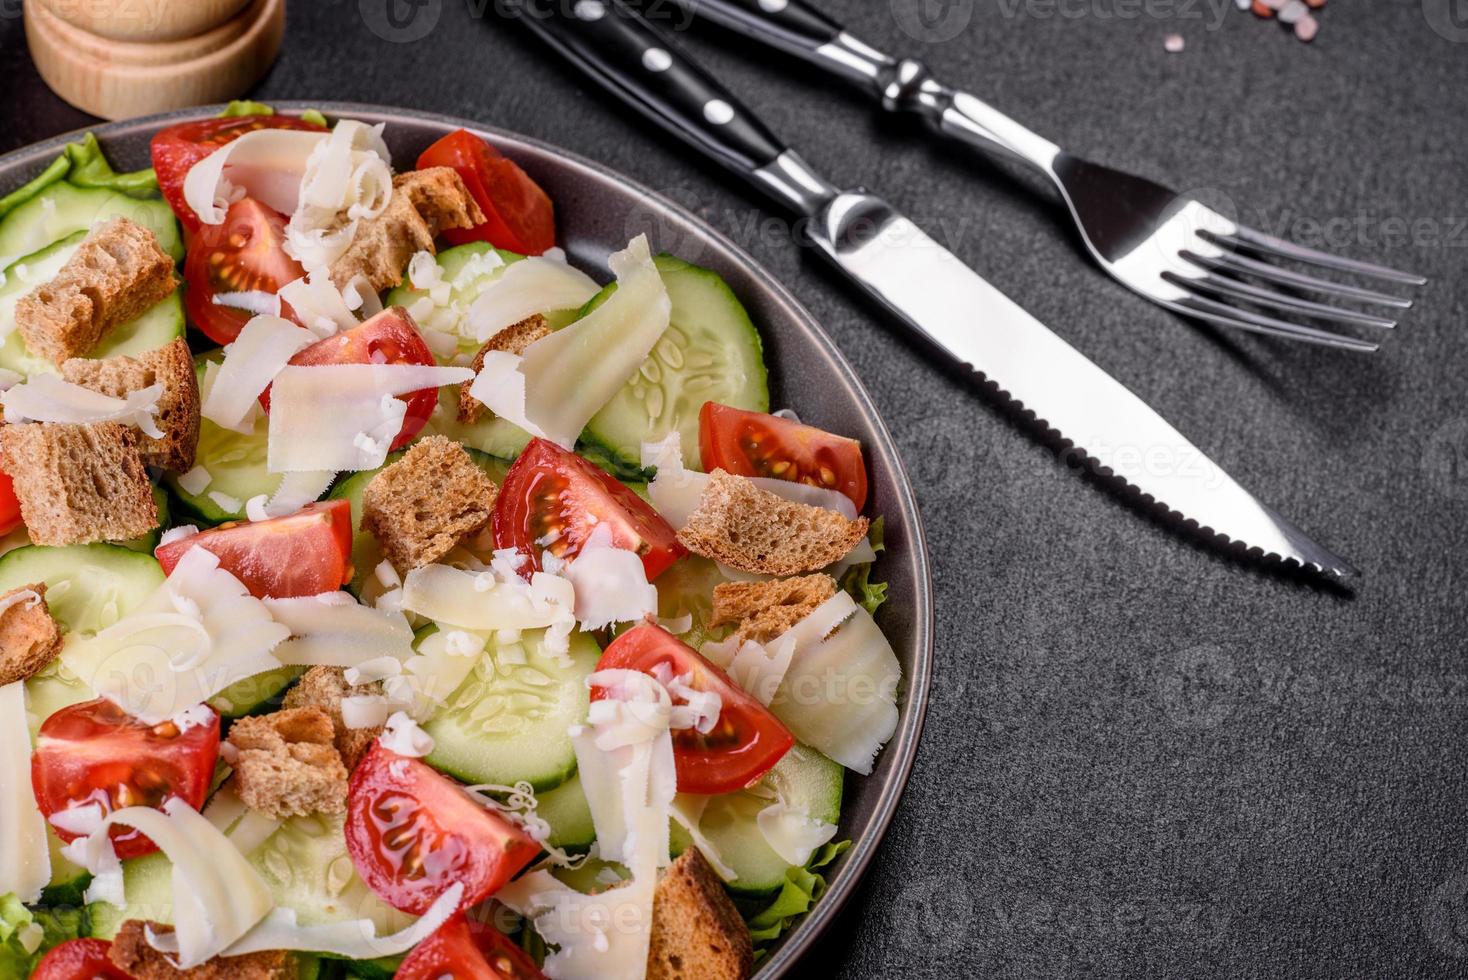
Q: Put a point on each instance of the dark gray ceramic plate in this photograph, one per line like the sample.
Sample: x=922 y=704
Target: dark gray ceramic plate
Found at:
x=597 y=212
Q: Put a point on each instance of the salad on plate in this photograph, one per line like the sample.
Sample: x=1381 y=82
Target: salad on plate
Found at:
x=384 y=596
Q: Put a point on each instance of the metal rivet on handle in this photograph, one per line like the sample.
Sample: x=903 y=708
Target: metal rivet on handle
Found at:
x=589 y=9
x=656 y=59
x=717 y=111
x=773 y=6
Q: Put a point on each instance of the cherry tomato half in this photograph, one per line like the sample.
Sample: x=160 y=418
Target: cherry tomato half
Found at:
x=466 y=949
x=390 y=337
x=305 y=553
x=244 y=254
x=95 y=752
x=755 y=444
x=411 y=833
x=9 y=505
x=551 y=494
x=79 y=959
x=746 y=742
x=176 y=149
x=518 y=214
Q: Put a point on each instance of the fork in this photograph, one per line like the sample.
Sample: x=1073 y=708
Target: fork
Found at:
x=1168 y=247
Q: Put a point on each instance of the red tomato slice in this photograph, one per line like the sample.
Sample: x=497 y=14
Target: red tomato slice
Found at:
x=551 y=493
x=747 y=741
x=518 y=214
x=755 y=444
x=411 y=833
x=244 y=254
x=79 y=959
x=305 y=553
x=9 y=505
x=466 y=949
x=177 y=148
x=390 y=337
x=95 y=752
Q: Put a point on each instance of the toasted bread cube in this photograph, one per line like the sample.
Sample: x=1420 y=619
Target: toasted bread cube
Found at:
x=324 y=688
x=424 y=203
x=423 y=505
x=754 y=530
x=171 y=366
x=79 y=483
x=512 y=340
x=764 y=610
x=116 y=274
x=132 y=954
x=696 y=930
x=287 y=763
x=29 y=637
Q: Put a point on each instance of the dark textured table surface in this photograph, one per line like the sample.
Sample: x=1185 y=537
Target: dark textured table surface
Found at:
x=1141 y=758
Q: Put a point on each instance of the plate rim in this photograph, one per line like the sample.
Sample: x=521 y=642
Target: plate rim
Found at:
x=901 y=750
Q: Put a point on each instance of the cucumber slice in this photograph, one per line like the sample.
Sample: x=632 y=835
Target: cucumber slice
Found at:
x=569 y=815
x=462 y=294
x=88 y=586
x=159 y=325
x=304 y=864
x=492 y=435
x=62 y=209
x=710 y=352
x=506 y=724
x=57 y=171
x=255 y=695
x=68 y=883
x=51 y=690
x=236 y=465
x=366 y=555
x=804 y=779
x=686 y=588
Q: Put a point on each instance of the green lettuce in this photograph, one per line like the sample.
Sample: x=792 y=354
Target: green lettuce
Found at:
x=858 y=578
x=244 y=107
x=802 y=888
x=89 y=168
x=20 y=947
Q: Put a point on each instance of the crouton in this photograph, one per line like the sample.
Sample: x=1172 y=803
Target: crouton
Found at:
x=754 y=530
x=29 y=637
x=423 y=505
x=764 y=610
x=79 y=483
x=424 y=203
x=171 y=366
x=116 y=274
x=512 y=340
x=324 y=688
x=287 y=764
x=697 y=933
x=131 y=954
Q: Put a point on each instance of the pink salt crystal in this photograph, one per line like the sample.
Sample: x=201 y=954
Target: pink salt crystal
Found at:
x=1306 y=28
x=1173 y=43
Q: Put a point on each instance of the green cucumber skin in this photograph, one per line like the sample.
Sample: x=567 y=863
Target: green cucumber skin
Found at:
x=699 y=297
x=477 y=756
x=136 y=573
x=34 y=224
x=569 y=815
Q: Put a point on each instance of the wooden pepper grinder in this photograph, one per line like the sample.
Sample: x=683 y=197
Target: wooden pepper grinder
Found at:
x=117 y=60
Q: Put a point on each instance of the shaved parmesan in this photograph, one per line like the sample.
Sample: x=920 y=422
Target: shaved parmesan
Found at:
x=404 y=737
x=196 y=634
x=687 y=810
x=611 y=583
x=792 y=833
x=444 y=661
x=343 y=416
x=533 y=285
x=369 y=710
x=46 y=398
x=595 y=937
x=263 y=347
x=224 y=501
x=25 y=856
x=217 y=896
x=334 y=630
x=602 y=351
x=266 y=164
x=839 y=694
x=347 y=179
x=489 y=600
x=195 y=480
x=296 y=490
x=254 y=301
x=319 y=304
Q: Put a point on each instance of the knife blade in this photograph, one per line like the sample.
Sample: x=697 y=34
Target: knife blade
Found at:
x=923 y=284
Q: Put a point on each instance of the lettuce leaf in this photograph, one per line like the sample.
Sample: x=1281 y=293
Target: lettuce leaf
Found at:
x=89 y=168
x=803 y=887
x=244 y=107
x=20 y=946
x=857 y=580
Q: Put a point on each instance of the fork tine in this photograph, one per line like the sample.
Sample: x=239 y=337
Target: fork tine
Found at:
x=1221 y=313
x=1235 y=289
x=1234 y=262
x=1258 y=241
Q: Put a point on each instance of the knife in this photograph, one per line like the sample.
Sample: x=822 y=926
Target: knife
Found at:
x=924 y=285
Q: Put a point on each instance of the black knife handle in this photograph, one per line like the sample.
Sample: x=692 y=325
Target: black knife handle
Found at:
x=641 y=65
x=791 y=25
